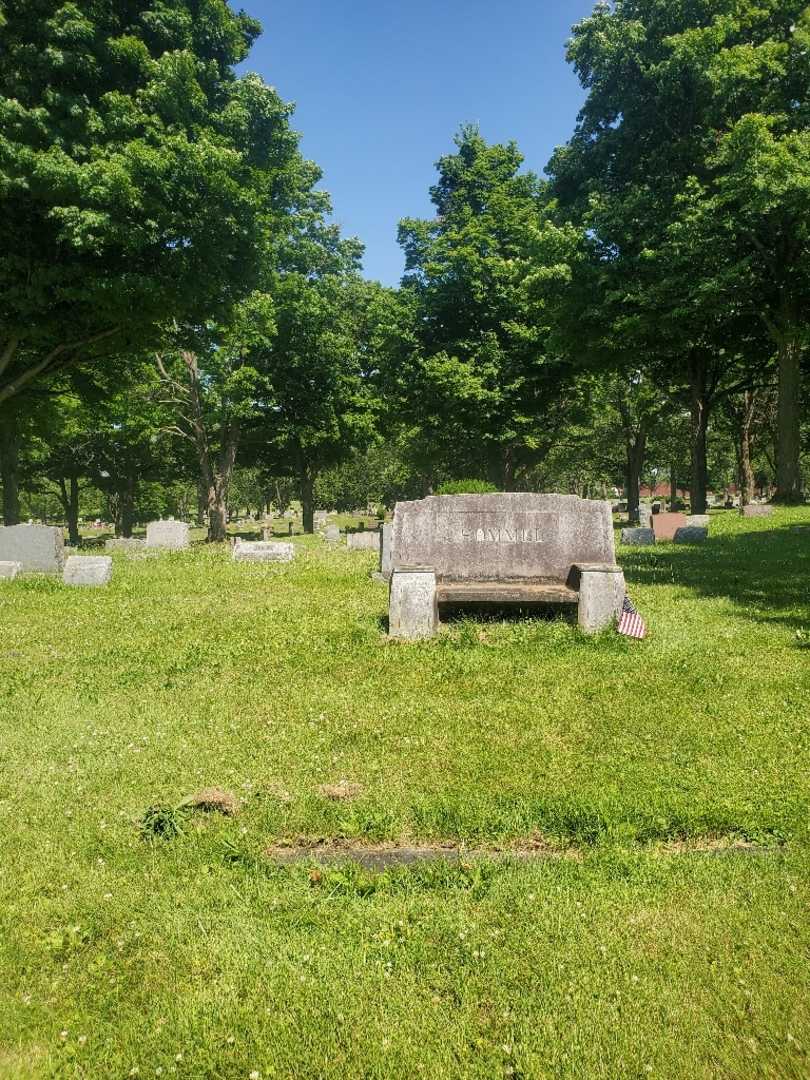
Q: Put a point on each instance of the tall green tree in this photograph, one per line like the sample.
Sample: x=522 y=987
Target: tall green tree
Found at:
x=322 y=397
x=688 y=167
x=136 y=173
x=475 y=374
x=211 y=388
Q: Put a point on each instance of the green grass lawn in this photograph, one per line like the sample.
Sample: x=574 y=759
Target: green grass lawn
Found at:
x=667 y=935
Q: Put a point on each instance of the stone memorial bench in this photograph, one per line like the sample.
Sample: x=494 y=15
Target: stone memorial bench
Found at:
x=524 y=549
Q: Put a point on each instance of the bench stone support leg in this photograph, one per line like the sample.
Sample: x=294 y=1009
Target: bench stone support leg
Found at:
x=413 y=610
x=601 y=595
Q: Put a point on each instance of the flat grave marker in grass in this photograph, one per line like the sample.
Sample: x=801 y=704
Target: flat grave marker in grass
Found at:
x=263 y=551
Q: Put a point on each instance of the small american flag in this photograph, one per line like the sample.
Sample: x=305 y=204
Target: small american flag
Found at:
x=631 y=623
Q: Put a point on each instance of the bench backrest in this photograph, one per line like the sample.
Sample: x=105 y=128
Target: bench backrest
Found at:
x=502 y=536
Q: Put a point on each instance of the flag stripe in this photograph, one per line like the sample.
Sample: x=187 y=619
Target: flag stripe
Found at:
x=631 y=623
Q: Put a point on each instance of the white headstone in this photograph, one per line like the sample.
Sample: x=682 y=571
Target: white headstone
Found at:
x=363 y=541
x=125 y=543
x=88 y=570
x=9 y=570
x=39 y=548
x=172 y=535
x=262 y=551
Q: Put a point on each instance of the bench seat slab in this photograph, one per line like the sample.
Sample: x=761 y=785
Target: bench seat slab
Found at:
x=506 y=592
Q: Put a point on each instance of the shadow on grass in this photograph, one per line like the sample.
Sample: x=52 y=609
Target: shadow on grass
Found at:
x=764 y=572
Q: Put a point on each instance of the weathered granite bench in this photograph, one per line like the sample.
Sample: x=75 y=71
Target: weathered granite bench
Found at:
x=525 y=549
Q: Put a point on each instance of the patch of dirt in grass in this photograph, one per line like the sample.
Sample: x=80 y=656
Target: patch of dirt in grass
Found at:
x=385 y=854
x=214 y=800
x=711 y=845
x=341 y=792
x=380 y=856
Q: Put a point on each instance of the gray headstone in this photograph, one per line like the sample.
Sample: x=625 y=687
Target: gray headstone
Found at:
x=9 y=570
x=699 y=520
x=413 y=609
x=172 y=535
x=509 y=536
x=601 y=595
x=125 y=543
x=38 y=548
x=638 y=537
x=757 y=510
x=385 y=550
x=263 y=551
x=88 y=570
x=332 y=534
x=319 y=518
x=691 y=534
x=363 y=541
x=645 y=516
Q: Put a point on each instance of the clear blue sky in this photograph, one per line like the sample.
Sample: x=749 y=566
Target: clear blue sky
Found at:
x=381 y=86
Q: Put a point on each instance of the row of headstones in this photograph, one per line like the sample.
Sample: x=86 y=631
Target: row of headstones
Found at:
x=681 y=528
x=41 y=548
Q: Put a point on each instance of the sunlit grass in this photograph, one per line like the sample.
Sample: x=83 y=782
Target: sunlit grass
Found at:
x=268 y=681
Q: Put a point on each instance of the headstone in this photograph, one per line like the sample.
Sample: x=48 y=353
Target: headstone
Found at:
x=666 y=525
x=332 y=534
x=383 y=571
x=511 y=536
x=267 y=532
x=637 y=537
x=37 y=548
x=87 y=570
x=701 y=521
x=413 y=610
x=319 y=518
x=691 y=534
x=9 y=570
x=262 y=551
x=757 y=510
x=290 y=529
x=601 y=595
x=656 y=508
x=522 y=548
x=125 y=543
x=363 y=541
x=385 y=550
x=171 y=535
x=645 y=516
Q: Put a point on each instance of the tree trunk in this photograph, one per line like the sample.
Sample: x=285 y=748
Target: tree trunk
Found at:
x=744 y=448
x=69 y=498
x=788 y=472
x=9 y=475
x=126 y=504
x=217 y=513
x=673 y=485
x=699 y=420
x=635 y=449
x=308 y=498
x=202 y=501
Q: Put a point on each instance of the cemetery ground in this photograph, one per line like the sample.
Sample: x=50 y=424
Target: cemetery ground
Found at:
x=648 y=912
